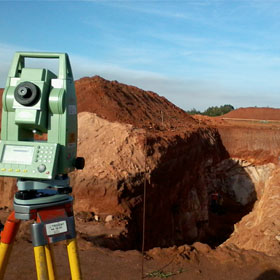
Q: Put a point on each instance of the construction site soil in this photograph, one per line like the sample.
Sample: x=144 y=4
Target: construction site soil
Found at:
x=212 y=189
x=254 y=113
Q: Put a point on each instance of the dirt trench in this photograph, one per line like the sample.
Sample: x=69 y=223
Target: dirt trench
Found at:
x=188 y=212
x=185 y=173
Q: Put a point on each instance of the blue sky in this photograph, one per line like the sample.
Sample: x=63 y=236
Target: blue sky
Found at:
x=195 y=53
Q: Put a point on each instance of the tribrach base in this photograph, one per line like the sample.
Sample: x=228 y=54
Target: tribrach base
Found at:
x=53 y=222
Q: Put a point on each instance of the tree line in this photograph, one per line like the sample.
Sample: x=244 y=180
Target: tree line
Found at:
x=213 y=111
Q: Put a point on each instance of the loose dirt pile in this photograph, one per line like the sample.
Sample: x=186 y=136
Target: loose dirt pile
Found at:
x=114 y=101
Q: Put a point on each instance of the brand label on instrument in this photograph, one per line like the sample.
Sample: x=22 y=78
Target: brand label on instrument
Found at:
x=56 y=228
x=72 y=109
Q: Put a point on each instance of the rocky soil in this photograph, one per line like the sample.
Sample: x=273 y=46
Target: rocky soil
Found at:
x=131 y=138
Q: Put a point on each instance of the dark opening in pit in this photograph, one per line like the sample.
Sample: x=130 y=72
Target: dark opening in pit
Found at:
x=221 y=224
x=183 y=214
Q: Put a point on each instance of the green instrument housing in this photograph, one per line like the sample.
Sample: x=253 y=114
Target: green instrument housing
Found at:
x=36 y=101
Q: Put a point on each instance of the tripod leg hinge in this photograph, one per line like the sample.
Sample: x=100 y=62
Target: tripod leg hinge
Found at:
x=7 y=238
x=46 y=233
x=10 y=229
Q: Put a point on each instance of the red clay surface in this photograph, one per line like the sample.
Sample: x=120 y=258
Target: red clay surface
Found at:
x=128 y=104
x=173 y=263
x=254 y=113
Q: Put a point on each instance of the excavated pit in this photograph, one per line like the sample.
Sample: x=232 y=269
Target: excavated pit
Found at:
x=182 y=216
x=176 y=216
x=187 y=162
x=173 y=215
x=184 y=172
x=188 y=166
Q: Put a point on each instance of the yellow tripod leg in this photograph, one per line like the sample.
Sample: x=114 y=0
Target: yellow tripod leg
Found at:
x=41 y=263
x=50 y=261
x=5 y=252
x=74 y=259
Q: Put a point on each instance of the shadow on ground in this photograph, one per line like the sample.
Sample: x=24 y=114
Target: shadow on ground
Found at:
x=269 y=275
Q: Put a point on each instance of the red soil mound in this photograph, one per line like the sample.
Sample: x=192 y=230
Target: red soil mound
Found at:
x=254 y=113
x=128 y=104
x=114 y=101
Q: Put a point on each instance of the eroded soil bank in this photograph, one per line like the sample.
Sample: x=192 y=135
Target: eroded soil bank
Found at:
x=209 y=180
x=177 y=165
x=184 y=169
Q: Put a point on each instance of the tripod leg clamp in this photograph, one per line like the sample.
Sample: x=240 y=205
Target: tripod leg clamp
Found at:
x=46 y=233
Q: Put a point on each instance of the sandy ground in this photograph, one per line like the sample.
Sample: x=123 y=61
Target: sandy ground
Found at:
x=196 y=262
x=103 y=264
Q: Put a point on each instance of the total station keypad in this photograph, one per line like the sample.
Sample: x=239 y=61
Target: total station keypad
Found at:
x=44 y=154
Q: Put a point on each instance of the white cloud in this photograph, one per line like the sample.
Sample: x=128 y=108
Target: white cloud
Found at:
x=186 y=92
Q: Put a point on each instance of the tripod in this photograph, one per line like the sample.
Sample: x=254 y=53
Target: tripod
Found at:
x=53 y=222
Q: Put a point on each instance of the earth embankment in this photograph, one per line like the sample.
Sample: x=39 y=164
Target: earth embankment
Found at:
x=248 y=133
x=184 y=160
x=252 y=133
x=255 y=144
x=174 y=165
x=254 y=113
x=131 y=138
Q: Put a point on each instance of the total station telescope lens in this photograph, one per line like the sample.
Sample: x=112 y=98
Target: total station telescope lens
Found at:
x=27 y=94
x=23 y=91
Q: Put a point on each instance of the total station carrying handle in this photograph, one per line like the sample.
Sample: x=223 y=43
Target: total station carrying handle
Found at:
x=64 y=72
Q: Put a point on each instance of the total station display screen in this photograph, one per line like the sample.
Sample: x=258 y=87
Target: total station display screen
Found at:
x=18 y=154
